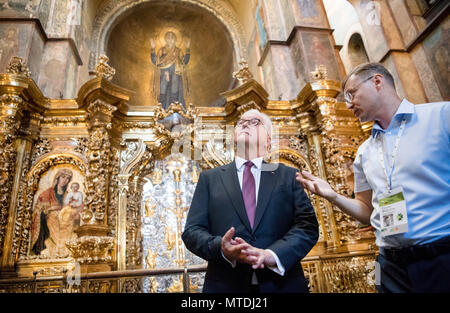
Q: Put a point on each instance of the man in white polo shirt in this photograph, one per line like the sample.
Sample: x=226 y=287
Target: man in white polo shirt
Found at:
x=402 y=182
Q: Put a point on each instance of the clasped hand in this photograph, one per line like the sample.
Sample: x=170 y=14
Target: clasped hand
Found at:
x=239 y=250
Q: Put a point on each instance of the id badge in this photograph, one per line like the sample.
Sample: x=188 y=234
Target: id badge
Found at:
x=394 y=219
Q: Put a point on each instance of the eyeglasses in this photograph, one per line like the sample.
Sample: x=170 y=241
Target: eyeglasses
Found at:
x=348 y=95
x=252 y=122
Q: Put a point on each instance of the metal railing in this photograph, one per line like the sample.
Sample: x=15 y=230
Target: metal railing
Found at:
x=63 y=283
x=346 y=272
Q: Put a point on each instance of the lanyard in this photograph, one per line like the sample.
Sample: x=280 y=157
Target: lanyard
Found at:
x=388 y=175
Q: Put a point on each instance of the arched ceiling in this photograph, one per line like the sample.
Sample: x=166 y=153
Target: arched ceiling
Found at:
x=210 y=67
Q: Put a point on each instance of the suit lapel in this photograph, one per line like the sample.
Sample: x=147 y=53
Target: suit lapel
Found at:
x=231 y=185
x=266 y=185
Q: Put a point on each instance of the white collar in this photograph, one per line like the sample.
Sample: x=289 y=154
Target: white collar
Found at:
x=240 y=162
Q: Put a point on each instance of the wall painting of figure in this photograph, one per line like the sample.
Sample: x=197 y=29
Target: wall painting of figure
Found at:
x=56 y=211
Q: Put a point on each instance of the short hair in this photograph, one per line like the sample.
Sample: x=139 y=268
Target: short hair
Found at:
x=370 y=69
x=265 y=119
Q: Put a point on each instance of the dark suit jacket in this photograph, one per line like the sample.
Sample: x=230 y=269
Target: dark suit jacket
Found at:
x=285 y=222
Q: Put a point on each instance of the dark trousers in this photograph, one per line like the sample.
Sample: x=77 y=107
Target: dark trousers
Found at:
x=430 y=275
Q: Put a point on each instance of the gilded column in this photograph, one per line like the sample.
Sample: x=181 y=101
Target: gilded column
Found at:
x=99 y=159
x=101 y=98
x=131 y=156
x=19 y=127
x=27 y=136
x=309 y=108
x=324 y=210
x=334 y=137
x=10 y=115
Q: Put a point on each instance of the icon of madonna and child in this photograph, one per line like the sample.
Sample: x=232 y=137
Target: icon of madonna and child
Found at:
x=56 y=214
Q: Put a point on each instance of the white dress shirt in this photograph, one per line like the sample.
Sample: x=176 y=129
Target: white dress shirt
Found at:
x=256 y=171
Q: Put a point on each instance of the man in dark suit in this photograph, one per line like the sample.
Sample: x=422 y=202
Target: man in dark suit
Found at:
x=264 y=206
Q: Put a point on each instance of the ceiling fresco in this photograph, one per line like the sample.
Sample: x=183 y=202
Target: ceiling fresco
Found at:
x=167 y=52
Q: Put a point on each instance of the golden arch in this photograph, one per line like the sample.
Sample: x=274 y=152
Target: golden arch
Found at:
x=290 y=158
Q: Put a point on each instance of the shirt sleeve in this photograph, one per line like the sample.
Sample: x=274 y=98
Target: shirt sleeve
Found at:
x=279 y=269
x=361 y=183
x=232 y=263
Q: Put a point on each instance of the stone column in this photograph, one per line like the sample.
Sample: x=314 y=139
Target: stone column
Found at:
x=299 y=39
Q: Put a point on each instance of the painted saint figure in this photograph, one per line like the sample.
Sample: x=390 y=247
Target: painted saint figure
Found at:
x=171 y=62
x=73 y=205
x=74 y=197
x=69 y=217
x=45 y=228
x=9 y=47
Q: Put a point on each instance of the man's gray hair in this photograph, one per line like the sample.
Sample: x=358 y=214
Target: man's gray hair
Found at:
x=265 y=119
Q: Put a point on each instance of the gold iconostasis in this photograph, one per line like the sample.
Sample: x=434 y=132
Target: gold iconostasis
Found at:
x=111 y=109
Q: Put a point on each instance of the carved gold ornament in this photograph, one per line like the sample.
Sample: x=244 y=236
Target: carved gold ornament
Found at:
x=103 y=69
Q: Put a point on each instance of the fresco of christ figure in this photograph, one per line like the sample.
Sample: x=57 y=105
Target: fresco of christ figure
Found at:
x=171 y=63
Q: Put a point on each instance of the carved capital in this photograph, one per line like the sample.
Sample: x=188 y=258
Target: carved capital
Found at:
x=100 y=114
x=308 y=122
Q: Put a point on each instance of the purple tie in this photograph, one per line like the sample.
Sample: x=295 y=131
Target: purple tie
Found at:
x=249 y=192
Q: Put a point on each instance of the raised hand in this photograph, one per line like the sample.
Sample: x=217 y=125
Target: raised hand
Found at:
x=152 y=43
x=316 y=185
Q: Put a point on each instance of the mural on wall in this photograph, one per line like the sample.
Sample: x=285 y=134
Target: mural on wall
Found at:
x=308 y=12
x=56 y=211
x=192 y=59
x=58 y=18
x=268 y=76
x=53 y=69
x=320 y=52
x=253 y=58
x=437 y=47
x=9 y=46
x=30 y=6
x=370 y=17
x=261 y=26
x=170 y=67
x=44 y=11
x=299 y=62
x=287 y=87
x=308 y=8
